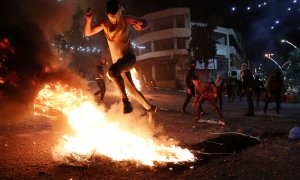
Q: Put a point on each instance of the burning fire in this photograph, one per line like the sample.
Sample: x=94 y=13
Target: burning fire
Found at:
x=134 y=75
x=95 y=133
x=135 y=79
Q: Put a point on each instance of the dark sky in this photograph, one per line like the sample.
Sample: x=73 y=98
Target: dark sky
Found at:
x=255 y=24
x=263 y=25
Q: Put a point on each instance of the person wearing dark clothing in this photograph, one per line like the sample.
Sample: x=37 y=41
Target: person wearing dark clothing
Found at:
x=190 y=92
x=258 y=86
x=116 y=30
x=220 y=86
x=100 y=79
x=206 y=92
x=274 y=87
x=247 y=85
x=229 y=89
x=240 y=90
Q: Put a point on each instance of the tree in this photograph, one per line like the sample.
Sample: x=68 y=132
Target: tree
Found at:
x=202 y=45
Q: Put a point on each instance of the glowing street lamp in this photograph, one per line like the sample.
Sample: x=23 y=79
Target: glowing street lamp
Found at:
x=269 y=57
x=280 y=67
x=286 y=41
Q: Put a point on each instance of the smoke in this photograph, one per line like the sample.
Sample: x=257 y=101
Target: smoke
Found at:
x=27 y=59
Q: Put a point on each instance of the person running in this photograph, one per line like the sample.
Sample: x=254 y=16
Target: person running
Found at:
x=116 y=30
x=206 y=92
x=247 y=85
x=190 y=92
x=274 y=87
x=220 y=87
x=100 y=79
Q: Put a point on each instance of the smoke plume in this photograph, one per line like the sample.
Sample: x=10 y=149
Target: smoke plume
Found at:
x=27 y=59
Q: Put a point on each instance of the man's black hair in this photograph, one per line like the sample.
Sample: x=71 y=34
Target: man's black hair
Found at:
x=112 y=6
x=195 y=78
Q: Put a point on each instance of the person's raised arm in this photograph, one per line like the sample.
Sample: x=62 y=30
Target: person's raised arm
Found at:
x=88 y=31
x=138 y=23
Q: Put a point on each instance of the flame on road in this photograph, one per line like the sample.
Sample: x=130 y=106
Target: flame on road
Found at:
x=95 y=133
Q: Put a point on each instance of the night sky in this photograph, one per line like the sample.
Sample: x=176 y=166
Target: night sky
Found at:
x=263 y=23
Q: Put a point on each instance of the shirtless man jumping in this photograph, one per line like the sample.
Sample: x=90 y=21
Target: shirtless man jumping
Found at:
x=116 y=30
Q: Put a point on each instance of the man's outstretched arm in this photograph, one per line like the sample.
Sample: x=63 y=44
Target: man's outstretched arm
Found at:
x=88 y=31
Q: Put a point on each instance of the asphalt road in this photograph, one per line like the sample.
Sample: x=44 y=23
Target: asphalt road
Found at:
x=26 y=147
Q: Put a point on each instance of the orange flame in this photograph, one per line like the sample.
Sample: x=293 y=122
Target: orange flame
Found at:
x=95 y=133
x=1 y=80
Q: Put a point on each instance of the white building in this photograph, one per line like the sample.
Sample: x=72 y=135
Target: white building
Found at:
x=165 y=57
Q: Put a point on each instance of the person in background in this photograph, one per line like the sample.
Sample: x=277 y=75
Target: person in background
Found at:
x=247 y=87
x=206 y=92
x=258 y=86
x=220 y=85
x=116 y=30
x=274 y=88
x=229 y=89
x=240 y=90
x=100 y=79
x=190 y=92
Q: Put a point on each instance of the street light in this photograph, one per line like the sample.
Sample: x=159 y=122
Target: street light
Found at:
x=269 y=57
x=286 y=41
x=280 y=67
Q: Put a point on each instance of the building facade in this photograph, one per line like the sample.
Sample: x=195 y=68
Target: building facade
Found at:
x=164 y=57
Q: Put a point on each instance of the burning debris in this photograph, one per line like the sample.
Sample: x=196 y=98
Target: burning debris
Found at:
x=95 y=132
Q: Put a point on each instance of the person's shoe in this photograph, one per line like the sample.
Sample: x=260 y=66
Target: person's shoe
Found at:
x=221 y=122
x=277 y=111
x=152 y=113
x=127 y=106
x=183 y=111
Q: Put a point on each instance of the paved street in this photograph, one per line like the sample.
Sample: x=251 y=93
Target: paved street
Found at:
x=26 y=147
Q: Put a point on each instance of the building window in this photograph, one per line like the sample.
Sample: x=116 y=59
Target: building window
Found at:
x=147 y=48
x=164 y=44
x=165 y=23
x=180 y=21
x=181 y=43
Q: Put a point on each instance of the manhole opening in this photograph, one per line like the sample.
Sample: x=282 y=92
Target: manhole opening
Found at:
x=217 y=147
x=225 y=144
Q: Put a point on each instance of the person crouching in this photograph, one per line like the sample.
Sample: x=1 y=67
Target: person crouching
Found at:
x=205 y=91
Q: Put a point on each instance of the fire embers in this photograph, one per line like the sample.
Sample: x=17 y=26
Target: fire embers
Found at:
x=6 y=54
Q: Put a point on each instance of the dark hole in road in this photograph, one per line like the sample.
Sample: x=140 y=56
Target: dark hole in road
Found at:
x=217 y=147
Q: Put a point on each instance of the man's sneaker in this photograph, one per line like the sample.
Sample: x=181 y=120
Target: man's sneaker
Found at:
x=183 y=111
x=127 y=106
